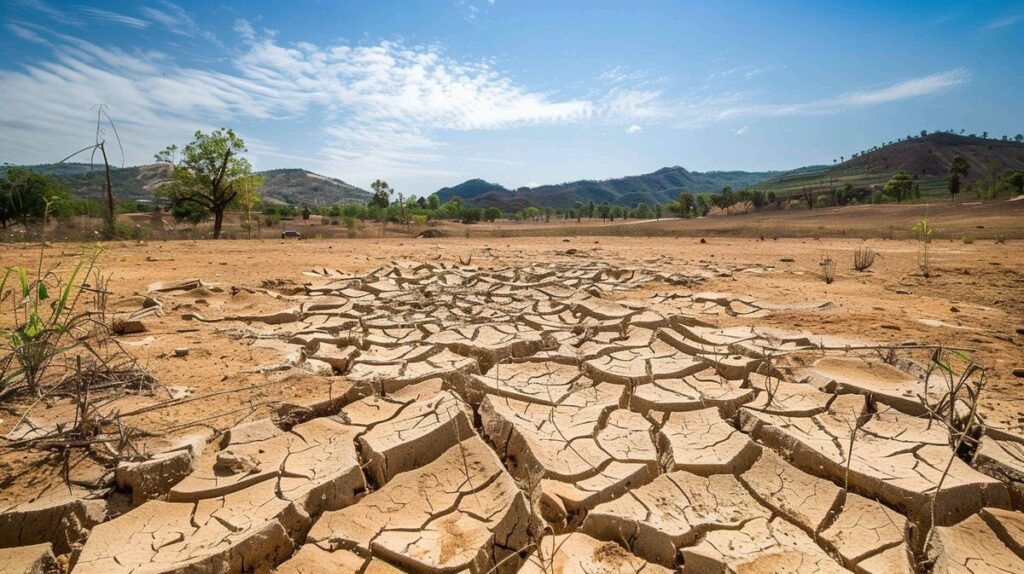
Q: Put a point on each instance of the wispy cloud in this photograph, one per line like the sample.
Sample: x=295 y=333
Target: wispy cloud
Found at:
x=733 y=106
x=177 y=20
x=100 y=15
x=634 y=129
x=742 y=131
x=1004 y=22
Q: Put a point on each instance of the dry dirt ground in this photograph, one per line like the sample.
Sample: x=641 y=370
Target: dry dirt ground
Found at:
x=548 y=404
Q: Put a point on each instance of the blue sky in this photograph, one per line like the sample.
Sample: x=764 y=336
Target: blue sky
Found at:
x=427 y=94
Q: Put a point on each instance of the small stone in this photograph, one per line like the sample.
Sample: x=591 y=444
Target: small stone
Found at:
x=787 y=260
x=954 y=309
x=702 y=240
x=181 y=352
x=1018 y=373
x=904 y=292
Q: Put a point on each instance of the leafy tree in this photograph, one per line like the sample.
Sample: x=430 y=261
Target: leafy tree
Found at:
x=1018 y=138
x=25 y=194
x=957 y=168
x=703 y=205
x=190 y=212
x=900 y=186
x=578 y=207
x=381 y=194
x=642 y=211
x=658 y=210
x=492 y=213
x=433 y=202
x=210 y=173
x=531 y=213
x=686 y=204
x=1012 y=182
x=590 y=209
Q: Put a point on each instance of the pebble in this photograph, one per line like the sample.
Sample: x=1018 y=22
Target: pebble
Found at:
x=181 y=352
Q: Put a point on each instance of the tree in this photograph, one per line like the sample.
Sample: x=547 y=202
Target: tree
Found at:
x=189 y=212
x=924 y=133
x=658 y=210
x=381 y=194
x=984 y=135
x=703 y=206
x=492 y=213
x=433 y=202
x=899 y=186
x=590 y=209
x=26 y=194
x=210 y=173
x=957 y=168
x=578 y=207
x=642 y=211
x=1018 y=138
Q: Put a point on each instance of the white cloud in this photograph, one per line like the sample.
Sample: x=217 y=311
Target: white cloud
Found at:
x=634 y=129
x=244 y=29
x=382 y=106
x=742 y=131
x=24 y=32
x=177 y=20
x=636 y=104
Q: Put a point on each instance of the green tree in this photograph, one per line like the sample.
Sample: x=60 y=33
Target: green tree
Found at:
x=210 y=173
x=25 y=195
x=492 y=213
x=686 y=204
x=578 y=207
x=957 y=168
x=658 y=210
x=1018 y=138
x=642 y=211
x=703 y=205
x=190 y=212
x=381 y=194
x=899 y=186
x=433 y=202
x=590 y=209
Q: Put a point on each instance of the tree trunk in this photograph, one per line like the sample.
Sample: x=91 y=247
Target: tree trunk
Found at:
x=218 y=221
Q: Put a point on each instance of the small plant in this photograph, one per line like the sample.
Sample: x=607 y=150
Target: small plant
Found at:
x=968 y=240
x=863 y=258
x=923 y=231
x=828 y=268
x=1001 y=238
x=43 y=321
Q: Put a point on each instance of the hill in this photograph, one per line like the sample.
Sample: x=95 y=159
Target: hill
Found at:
x=660 y=186
x=928 y=157
x=290 y=186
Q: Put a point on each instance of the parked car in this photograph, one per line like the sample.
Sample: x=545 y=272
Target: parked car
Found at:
x=289 y=233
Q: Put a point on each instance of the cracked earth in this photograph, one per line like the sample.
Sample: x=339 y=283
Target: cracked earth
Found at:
x=537 y=418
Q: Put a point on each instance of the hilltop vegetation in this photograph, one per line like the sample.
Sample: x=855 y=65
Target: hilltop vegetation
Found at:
x=927 y=157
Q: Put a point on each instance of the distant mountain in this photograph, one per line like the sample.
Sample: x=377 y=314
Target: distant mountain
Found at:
x=927 y=157
x=661 y=186
x=290 y=186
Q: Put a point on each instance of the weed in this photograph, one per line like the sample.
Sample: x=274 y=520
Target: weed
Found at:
x=828 y=268
x=968 y=240
x=1001 y=237
x=923 y=231
x=863 y=258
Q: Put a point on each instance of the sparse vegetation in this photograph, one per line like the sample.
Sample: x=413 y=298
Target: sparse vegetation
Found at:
x=923 y=232
x=828 y=268
x=863 y=258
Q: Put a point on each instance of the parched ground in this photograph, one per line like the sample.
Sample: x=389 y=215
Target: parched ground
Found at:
x=555 y=404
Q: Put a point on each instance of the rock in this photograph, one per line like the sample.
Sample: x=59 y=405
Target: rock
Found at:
x=181 y=352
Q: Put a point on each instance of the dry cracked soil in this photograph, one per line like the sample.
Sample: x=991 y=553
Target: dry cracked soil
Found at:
x=535 y=409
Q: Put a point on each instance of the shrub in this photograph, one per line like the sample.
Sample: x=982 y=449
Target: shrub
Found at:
x=828 y=268
x=968 y=240
x=863 y=258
